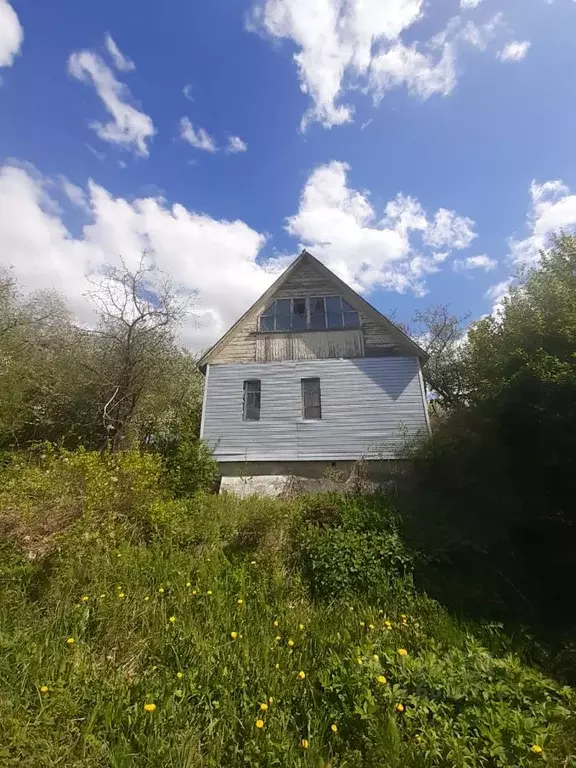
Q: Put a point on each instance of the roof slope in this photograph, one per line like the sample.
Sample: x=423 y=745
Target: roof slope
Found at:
x=353 y=298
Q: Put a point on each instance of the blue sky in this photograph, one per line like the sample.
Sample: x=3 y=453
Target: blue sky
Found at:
x=424 y=151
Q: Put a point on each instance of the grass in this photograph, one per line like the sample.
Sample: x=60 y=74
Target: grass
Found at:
x=206 y=613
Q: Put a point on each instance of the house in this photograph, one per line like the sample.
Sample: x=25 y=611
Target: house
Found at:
x=310 y=377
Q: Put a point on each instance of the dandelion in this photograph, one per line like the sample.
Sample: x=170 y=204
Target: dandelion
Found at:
x=253 y=562
x=102 y=596
x=301 y=675
x=277 y=666
x=161 y=590
x=375 y=657
x=276 y=624
x=179 y=675
x=259 y=723
x=240 y=601
x=359 y=660
x=381 y=611
x=264 y=707
x=403 y=616
x=233 y=635
x=172 y=619
x=146 y=599
x=402 y=652
x=537 y=749
x=399 y=707
x=291 y=643
x=362 y=624
x=84 y=598
x=121 y=595
x=300 y=627
x=149 y=707
x=381 y=679
x=270 y=700
x=304 y=744
x=44 y=689
x=119 y=554
x=278 y=638
x=70 y=641
x=209 y=592
x=388 y=624
x=370 y=626
x=194 y=591
x=334 y=728
x=188 y=583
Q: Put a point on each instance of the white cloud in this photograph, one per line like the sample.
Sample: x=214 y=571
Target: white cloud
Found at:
x=217 y=257
x=469 y=4
x=497 y=293
x=74 y=193
x=11 y=34
x=553 y=208
x=197 y=137
x=235 y=145
x=187 y=91
x=346 y=45
x=340 y=226
x=514 y=51
x=121 y=62
x=129 y=128
x=475 y=262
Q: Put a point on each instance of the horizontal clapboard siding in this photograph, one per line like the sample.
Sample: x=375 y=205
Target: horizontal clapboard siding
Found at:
x=369 y=407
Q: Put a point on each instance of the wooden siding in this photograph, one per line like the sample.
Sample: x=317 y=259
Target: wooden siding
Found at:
x=310 y=345
x=369 y=408
x=248 y=345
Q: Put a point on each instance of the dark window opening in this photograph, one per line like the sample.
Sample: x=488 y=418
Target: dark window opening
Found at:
x=311 y=400
x=252 y=398
x=315 y=314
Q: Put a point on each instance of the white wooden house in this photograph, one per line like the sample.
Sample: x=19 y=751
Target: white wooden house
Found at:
x=311 y=376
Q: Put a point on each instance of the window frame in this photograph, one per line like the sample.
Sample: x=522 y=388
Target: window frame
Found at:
x=304 y=382
x=246 y=408
x=344 y=310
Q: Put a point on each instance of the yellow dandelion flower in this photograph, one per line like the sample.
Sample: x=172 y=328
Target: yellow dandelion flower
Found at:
x=388 y=623
x=334 y=728
x=102 y=596
x=147 y=598
x=370 y=626
x=403 y=616
x=149 y=707
x=240 y=601
x=278 y=638
x=300 y=627
x=304 y=744
x=70 y=641
x=209 y=592
x=291 y=643
x=179 y=675
x=381 y=611
x=375 y=657
x=399 y=707
x=301 y=675
x=121 y=595
x=362 y=624
x=270 y=700
x=402 y=652
x=161 y=590
x=44 y=689
x=359 y=660
x=259 y=723
x=172 y=619
x=276 y=624
x=381 y=679
x=188 y=583
x=194 y=591
x=536 y=748
x=233 y=635
x=277 y=666
x=84 y=598
x=264 y=707
x=253 y=562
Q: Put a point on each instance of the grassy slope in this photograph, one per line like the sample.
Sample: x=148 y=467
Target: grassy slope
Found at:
x=152 y=622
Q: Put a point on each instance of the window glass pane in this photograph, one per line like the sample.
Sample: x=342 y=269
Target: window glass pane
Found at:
x=298 y=322
x=299 y=306
x=351 y=319
x=270 y=309
x=252 y=397
x=347 y=307
x=333 y=304
x=311 y=405
x=266 y=323
x=318 y=322
x=334 y=320
x=283 y=322
x=317 y=305
x=282 y=306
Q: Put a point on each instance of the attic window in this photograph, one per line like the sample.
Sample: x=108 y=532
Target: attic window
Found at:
x=314 y=313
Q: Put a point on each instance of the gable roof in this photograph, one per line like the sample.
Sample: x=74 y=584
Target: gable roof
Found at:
x=347 y=293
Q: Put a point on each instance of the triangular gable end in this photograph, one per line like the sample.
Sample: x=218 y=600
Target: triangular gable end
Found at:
x=318 y=280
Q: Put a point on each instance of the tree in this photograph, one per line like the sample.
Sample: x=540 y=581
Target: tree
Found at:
x=139 y=312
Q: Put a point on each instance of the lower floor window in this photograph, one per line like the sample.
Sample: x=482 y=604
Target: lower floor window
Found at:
x=252 y=398
x=311 y=400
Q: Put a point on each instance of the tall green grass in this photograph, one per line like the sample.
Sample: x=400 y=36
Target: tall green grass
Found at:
x=203 y=608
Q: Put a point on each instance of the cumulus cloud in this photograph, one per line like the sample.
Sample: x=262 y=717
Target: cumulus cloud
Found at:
x=340 y=226
x=483 y=262
x=121 y=62
x=469 y=4
x=359 y=44
x=187 y=91
x=196 y=137
x=11 y=34
x=220 y=259
x=235 y=145
x=129 y=128
x=514 y=51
